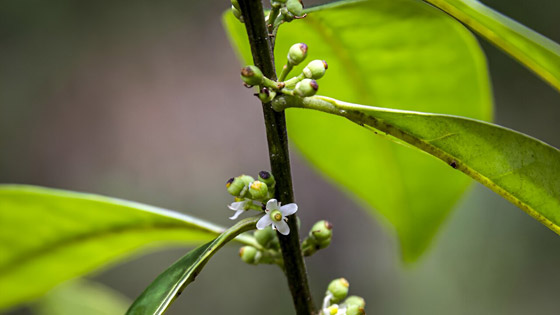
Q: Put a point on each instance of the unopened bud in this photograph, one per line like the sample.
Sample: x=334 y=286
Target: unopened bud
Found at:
x=297 y=53
x=315 y=69
x=321 y=231
x=265 y=237
x=251 y=75
x=355 y=300
x=286 y=14
x=235 y=186
x=339 y=289
x=249 y=254
x=258 y=190
x=295 y=7
x=306 y=87
x=267 y=178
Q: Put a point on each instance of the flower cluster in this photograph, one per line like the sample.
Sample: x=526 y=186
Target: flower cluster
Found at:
x=247 y=191
x=336 y=292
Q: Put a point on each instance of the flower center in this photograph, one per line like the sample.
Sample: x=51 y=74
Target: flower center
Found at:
x=276 y=215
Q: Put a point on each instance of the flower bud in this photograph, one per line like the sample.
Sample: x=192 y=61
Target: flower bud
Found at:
x=295 y=7
x=237 y=13
x=297 y=53
x=286 y=14
x=258 y=190
x=355 y=310
x=265 y=237
x=321 y=231
x=355 y=300
x=249 y=254
x=251 y=75
x=235 y=186
x=267 y=178
x=315 y=69
x=306 y=87
x=339 y=289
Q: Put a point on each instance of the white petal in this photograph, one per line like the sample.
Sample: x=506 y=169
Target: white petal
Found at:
x=264 y=222
x=272 y=204
x=288 y=209
x=236 y=214
x=238 y=205
x=282 y=227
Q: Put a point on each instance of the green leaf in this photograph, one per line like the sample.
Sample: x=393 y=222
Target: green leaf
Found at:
x=167 y=286
x=82 y=297
x=536 y=52
x=392 y=53
x=523 y=170
x=48 y=236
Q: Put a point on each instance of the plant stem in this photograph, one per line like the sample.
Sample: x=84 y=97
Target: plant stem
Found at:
x=277 y=138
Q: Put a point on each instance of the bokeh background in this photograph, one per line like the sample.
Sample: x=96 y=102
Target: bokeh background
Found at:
x=142 y=100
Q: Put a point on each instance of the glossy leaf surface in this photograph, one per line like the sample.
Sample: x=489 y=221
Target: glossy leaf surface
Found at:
x=393 y=53
x=533 y=50
x=167 y=286
x=48 y=236
x=522 y=169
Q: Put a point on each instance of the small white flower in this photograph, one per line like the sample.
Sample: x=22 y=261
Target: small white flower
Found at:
x=276 y=216
x=333 y=309
x=239 y=207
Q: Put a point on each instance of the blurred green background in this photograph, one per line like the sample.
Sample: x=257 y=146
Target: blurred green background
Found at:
x=142 y=100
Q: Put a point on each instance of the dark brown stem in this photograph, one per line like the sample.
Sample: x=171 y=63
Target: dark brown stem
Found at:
x=277 y=137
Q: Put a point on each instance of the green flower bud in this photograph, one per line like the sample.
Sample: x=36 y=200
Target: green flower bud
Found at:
x=265 y=237
x=355 y=300
x=235 y=186
x=321 y=231
x=249 y=254
x=295 y=7
x=286 y=14
x=267 y=178
x=355 y=310
x=339 y=289
x=297 y=53
x=258 y=190
x=251 y=75
x=306 y=87
x=315 y=69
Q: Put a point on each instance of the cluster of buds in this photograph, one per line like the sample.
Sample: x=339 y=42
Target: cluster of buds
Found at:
x=247 y=190
x=302 y=85
x=319 y=237
x=267 y=253
x=337 y=302
x=281 y=11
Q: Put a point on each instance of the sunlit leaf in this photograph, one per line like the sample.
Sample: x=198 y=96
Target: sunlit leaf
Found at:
x=524 y=170
x=48 y=236
x=167 y=286
x=392 y=53
x=533 y=50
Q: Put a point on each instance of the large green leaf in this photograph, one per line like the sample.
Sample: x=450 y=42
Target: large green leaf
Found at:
x=167 y=286
x=392 y=53
x=48 y=236
x=522 y=169
x=535 y=51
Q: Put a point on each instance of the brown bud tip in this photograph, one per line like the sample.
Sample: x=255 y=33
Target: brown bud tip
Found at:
x=247 y=72
x=264 y=174
x=229 y=181
x=314 y=85
x=328 y=225
x=325 y=64
x=303 y=48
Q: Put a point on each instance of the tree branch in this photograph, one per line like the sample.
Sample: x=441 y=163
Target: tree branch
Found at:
x=277 y=138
